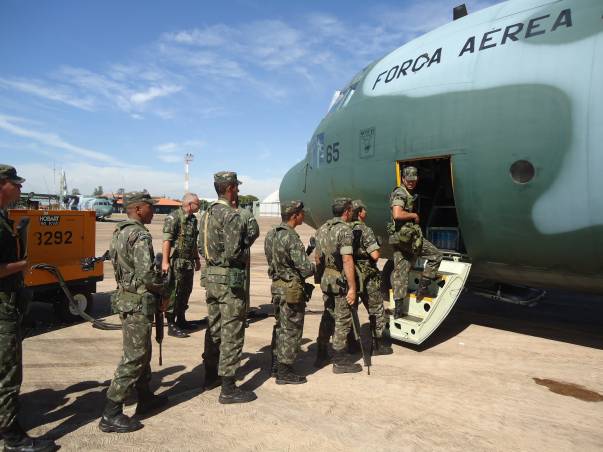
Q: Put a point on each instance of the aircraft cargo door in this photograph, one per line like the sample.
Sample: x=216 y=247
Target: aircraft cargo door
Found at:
x=423 y=316
x=416 y=319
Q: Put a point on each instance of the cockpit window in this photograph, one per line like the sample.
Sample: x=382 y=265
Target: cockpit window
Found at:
x=342 y=99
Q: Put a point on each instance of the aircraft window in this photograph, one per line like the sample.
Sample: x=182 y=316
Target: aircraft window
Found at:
x=343 y=98
x=522 y=171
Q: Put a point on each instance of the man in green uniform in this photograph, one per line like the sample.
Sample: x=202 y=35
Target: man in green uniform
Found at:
x=408 y=241
x=251 y=233
x=288 y=267
x=180 y=230
x=12 y=309
x=136 y=300
x=222 y=244
x=334 y=253
x=366 y=255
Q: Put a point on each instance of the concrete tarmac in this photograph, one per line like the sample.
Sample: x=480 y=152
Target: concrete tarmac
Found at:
x=493 y=377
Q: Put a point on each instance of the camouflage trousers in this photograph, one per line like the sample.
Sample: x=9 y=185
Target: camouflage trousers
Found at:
x=11 y=366
x=226 y=327
x=403 y=262
x=336 y=320
x=373 y=302
x=134 y=369
x=181 y=285
x=288 y=329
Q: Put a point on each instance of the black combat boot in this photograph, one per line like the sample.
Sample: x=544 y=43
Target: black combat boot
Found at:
x=286 y=376
x=149 y=402
x=322 y=355
x=114 y=419
x=184 y=324
x=398 y=309
x=212 y=379
x=16 y=440
x=173 y=329
x=343 y=364
x=381 y=346
x=423 y=287
x=353 y=343
x=231 y=394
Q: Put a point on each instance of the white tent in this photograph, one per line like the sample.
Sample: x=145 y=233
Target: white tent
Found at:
x=271 y=206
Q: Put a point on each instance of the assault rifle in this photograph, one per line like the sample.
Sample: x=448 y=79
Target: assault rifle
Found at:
x=366 y=357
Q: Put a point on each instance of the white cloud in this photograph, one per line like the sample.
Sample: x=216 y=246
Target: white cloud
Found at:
x=173 y=152
x=54 y=93
x=11 y=125
x=153 y=92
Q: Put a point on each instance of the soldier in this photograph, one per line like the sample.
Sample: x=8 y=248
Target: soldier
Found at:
x=288 y=267
x=222 y=244
x=138 y=287
x=180 y=232
x=12 y=309
x=334 y=253
x=252 y=232
x=366 y=255
x=408 y=242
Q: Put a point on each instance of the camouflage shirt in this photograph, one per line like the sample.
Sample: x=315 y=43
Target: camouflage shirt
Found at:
x=181 y=231
x=8 y=253
x=401 y=197
x=364 y=241
x=133 y=257
x=224 y=245
x=333 y=240
x=286 y=255
x=252 y=228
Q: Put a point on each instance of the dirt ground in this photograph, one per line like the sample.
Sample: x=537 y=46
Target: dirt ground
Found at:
x=493 y=377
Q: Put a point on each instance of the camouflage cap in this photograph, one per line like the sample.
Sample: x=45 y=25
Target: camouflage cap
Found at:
x=136 y=197
x=339 y=203
x=10 y=173
x=291 y=207
x=358 y=205
x=227 y=176
x=410 y=173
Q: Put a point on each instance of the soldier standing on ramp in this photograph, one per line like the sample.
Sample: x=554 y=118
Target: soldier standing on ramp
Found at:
x=136 y=302
x=366 y=255
x=222 y=243
x=406 y=237
x=288 y=267
x=12 y=309
x=334 y=252
x=180 y=232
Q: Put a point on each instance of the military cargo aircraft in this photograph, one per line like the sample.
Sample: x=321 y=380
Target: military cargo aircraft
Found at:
x=102 y=206
x=502 y=113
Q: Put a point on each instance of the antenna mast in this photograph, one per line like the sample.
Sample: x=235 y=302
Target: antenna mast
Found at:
x=188 y=158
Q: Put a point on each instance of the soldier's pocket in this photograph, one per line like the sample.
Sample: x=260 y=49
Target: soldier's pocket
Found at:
x=236 y=278
x=216 y=275
x=328 y=283
x=294 y=293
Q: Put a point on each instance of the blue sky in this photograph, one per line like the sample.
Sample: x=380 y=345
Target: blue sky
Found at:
x=116 y=92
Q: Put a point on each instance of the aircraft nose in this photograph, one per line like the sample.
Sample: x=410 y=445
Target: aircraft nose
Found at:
x=293 y=187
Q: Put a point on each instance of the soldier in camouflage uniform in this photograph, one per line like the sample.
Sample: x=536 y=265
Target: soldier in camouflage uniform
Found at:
x=222 y=243
x=136 y=300
x=180 y=230
x=334 y=257
x=252 y=232
x=288 y=267
x=366 y=255
x=406 y=253
x=12 y=309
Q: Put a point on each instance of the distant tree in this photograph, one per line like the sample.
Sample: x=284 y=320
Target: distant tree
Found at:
x=245 y=200
x=98 y=191
x=76 y=192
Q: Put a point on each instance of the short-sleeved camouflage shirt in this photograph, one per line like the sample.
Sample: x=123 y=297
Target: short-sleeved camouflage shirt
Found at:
x=8 y=254
x=401 y=197
x=252 y=228
x=181 y=231
x=334 y=240
x=366 y=242
x=286 y=255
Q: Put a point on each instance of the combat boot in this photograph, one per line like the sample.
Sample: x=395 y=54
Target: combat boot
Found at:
x=16 y=440
x=231 y=394
x=173 y=329
x=398 y=309
x=381 y=346
x=114 y=419
x=342 y=364
x=149 y=402
x=184 y=324
x=286 y=376
x=322 y=355
x=353 y=343
x=212 y=379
